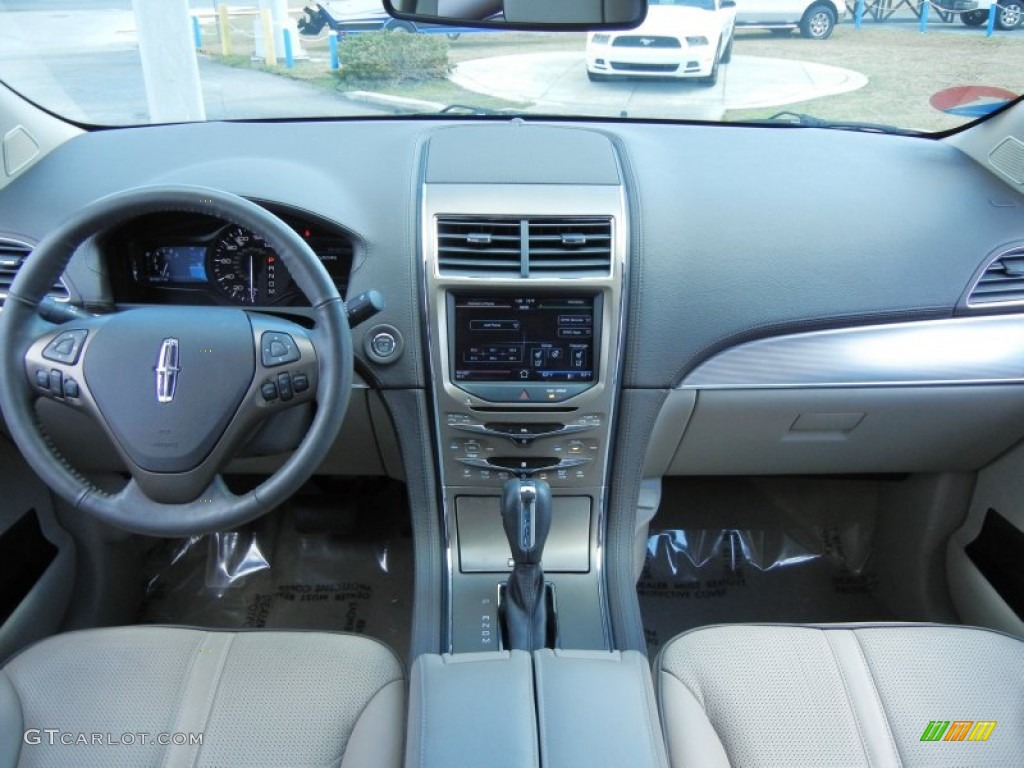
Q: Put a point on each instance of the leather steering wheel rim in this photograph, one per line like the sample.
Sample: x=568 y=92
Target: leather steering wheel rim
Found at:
x=217 y=508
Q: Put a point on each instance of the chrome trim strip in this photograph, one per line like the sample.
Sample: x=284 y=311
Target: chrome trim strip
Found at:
x=447 y=514
x=974 y=350
x=1016 y=250
x=63 y=283
x=167 y=370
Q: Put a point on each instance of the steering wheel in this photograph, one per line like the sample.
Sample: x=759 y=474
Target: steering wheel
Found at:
x=178 y=389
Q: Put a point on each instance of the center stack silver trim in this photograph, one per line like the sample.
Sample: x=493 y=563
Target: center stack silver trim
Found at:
x=526 y=200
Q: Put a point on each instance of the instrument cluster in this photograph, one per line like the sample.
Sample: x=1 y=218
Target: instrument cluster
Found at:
x=193 y=259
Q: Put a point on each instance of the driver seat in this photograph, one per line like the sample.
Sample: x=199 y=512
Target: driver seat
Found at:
x=109 y=697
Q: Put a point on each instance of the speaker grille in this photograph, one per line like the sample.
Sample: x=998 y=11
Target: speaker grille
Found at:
x=1008 y=159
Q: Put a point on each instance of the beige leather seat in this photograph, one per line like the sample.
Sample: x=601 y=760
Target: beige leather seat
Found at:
x=842 y=695
x=108 y=697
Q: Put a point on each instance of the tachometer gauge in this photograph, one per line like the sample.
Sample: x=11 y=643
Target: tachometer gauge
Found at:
x=170 y=266
x=244 y=267
x=152 y=266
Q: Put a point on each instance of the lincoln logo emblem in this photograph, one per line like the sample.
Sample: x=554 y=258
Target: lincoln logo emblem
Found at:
x=167 y=370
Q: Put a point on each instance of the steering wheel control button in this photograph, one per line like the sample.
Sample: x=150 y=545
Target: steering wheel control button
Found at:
x=278 y=348
x=284 y=386
x=70 y=388
x=269 y=391
x=66 y=347
x=383 y=344
x=300 y=383
x=56 y=383
x=43 y=379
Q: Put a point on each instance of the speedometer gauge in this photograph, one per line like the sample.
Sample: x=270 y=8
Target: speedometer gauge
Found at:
x=244 y=267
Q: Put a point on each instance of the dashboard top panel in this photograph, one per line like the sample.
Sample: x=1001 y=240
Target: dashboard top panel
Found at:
x=520 y=153
x=735 y=232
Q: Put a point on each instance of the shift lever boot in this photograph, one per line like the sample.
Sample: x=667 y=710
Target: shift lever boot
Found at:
x=526 y=516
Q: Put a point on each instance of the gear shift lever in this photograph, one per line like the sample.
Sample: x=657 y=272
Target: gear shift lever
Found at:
x=526 y=516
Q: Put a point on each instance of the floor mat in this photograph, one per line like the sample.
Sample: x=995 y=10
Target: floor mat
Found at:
x=285 y=571
x=736 y=550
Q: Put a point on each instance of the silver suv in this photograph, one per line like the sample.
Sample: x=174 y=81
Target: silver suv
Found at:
x=814 y=18
x=974 y=13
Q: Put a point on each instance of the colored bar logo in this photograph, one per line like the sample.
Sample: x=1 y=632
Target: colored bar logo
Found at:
x=958 y=730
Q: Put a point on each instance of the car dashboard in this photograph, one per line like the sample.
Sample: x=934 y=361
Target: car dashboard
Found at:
x=592 y=304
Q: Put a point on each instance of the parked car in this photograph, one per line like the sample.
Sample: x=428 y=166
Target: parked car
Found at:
x=974 y=13
x=679 y=38
x=816 y=19
x=347 y=16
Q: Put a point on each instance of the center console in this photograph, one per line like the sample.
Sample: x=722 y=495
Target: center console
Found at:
x=524 y=299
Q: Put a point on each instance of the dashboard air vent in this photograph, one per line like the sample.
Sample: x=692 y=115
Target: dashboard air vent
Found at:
x=12 y=256
x=573 y=247
x=535 y=247
x=479 y=247
x=1001 y=283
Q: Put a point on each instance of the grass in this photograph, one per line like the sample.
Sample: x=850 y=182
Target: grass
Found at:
x=439 y=91
x=316 y=71
x=904 y=68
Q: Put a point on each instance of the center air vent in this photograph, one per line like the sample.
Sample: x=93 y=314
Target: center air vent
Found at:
x=1001 y=283
x=540 y=246
x=12 y=256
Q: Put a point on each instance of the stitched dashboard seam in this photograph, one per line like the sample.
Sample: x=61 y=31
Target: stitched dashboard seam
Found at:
x=619 y=524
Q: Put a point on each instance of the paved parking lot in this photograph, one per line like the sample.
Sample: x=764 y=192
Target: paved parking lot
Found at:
x=557 y=83
x=84 y=63
x=60 y=49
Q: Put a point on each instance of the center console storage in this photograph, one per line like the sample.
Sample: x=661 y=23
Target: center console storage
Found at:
x=552 y=708
x=472 y=709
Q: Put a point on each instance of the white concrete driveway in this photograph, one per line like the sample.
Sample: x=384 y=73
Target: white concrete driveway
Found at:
x=556 y=83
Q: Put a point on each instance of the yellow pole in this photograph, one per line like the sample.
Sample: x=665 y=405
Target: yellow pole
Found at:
x=225 y=29
x=268 y=38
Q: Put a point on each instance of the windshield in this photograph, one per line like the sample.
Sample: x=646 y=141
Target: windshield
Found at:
x=707 y=5
x=901 y=64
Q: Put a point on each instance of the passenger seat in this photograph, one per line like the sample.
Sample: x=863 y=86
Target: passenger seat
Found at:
x=842 y=695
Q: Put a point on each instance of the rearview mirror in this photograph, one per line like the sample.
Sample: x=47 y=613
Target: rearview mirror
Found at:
x=522 y=14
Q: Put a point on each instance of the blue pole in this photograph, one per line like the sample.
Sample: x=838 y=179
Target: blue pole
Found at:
x=858 y=14
x=924 y=15
x=197 y=35
x=992 y=10
x=332 y=41
x=289 y=60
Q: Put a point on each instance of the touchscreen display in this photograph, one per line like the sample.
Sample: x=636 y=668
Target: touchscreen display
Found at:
x=524 y=338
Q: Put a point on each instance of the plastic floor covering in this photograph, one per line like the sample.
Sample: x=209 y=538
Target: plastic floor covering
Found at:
x=313 y=564
x=735 y=550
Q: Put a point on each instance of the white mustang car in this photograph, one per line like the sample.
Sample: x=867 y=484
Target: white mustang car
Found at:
x=679 y=38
